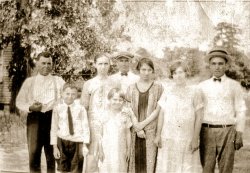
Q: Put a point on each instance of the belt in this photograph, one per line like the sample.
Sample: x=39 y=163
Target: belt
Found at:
x=216 y=125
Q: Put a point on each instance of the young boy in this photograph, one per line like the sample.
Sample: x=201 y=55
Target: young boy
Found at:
x=69 y=131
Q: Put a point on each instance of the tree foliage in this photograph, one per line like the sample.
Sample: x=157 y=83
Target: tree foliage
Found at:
x=227 y=37
x=72 y=31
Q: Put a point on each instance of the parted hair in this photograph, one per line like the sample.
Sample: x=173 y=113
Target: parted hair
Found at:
x=175 y=65
x=146 y=61
x=114 y=91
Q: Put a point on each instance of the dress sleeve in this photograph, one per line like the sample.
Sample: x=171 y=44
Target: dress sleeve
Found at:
x=85 y=125
x=85 y=96
x=198 y=101
x=54 y=126
x=161 y=90
x=128 y=120
x=162 y=100
x=128 y=94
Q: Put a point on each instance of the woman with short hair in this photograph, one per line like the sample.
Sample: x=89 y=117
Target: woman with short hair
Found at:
x=143 y=97
x=179 y=125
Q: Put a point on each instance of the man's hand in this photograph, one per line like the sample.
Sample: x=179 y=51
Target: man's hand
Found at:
x=157 y=141
x=35 y=107
x=56 y=152
x=85 y=150
x=238 y=143
x=141 y=134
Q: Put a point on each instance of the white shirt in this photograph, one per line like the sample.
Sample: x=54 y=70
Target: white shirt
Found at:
x=60 y=126
x=223 y=102
x=125 y=81
x=44 y=89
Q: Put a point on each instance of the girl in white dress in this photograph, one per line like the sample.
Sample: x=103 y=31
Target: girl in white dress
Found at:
x=179 y=125
x=115 y=144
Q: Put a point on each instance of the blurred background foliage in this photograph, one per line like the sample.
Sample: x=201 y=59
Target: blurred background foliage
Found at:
x=75 y=31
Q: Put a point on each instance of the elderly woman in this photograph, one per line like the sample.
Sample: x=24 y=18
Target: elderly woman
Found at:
x=143 y=97
x=179 y=125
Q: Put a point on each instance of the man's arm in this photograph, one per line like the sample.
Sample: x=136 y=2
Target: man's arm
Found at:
x=22 y=101
x=240 y=109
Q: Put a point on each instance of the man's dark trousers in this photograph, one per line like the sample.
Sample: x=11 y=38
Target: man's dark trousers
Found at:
x=38 y=136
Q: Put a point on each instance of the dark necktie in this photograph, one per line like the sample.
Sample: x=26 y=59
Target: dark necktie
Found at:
x=217 y=79
x=71 y=129
x=124 y=74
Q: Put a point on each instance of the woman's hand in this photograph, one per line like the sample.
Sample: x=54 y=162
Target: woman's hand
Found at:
x=138 y=126
x=157 y=141
x=141 y=134
x=127 y=155
x=101 y=155
x=194 y=145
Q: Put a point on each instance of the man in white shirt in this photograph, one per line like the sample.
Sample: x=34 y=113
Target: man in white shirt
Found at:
x=125 y=77
x=37 y=97
x=224 y=115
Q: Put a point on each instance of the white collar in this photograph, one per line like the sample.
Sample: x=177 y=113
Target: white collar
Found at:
x=41 y=76
x=72 y=104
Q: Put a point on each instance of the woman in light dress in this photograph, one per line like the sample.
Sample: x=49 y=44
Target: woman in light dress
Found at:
x=94 y=98
x=114 y=147
x=179 y=125
x=143 y=97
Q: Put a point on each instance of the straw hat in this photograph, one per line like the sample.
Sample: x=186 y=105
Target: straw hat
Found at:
x=218 y=52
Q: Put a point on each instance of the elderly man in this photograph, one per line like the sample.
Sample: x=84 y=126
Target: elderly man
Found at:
x=37 y=97
x=125 y=77
x=224 y=115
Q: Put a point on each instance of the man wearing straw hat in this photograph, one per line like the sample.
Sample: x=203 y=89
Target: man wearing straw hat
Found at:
x=125 y=77
x=224 y=115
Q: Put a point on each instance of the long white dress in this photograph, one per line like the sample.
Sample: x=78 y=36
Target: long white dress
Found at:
x=114 y=143
x=94 y=96
x=179 y=107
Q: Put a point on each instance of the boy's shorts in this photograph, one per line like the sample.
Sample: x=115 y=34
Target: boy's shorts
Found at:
x=71 y=158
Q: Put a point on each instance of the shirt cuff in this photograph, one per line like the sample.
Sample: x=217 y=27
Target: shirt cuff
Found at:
x=53 y=141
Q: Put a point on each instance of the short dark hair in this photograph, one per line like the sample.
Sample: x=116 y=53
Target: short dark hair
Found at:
x=43 y=54
x=175 y=66
x=147 y=61
x=70 y=85
x=114 y=91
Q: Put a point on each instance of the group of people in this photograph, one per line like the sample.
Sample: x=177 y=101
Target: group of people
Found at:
x=132 y=123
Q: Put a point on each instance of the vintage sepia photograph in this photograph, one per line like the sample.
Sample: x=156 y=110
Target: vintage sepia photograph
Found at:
x=124 y=86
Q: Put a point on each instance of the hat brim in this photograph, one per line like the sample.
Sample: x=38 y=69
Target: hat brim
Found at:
x=217 y=54
x=124 y=56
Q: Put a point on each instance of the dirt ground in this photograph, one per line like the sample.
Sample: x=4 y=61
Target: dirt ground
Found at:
x=14 y=156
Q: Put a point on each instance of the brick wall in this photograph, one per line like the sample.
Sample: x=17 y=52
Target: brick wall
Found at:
x=5 y=94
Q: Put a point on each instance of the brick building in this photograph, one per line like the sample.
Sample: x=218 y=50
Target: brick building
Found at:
x=5 y=94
